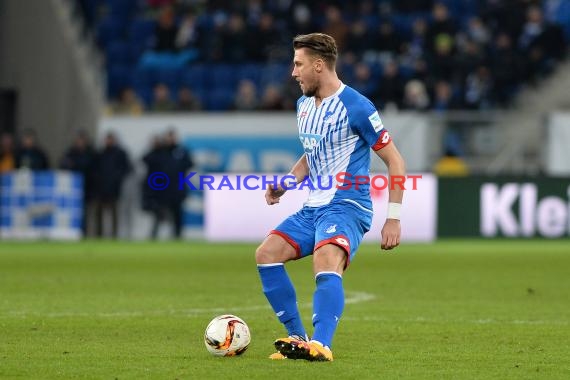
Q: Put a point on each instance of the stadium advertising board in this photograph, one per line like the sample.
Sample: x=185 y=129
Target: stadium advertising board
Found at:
x=557 y=154
x=240 y=215
x=41 y=205
x=504 y=207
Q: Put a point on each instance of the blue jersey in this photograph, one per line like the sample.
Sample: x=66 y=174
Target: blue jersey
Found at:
x=337 y=137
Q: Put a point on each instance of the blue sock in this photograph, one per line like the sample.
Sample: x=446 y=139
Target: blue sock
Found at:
x=328 y=304
x=281 y=295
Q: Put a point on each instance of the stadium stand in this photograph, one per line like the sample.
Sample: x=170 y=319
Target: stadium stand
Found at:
x=485 y=51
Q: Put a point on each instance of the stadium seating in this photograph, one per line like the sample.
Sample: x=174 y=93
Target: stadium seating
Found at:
x=109 y=28
x=219 y=99
x=125 y=32
x=195 y=77
x=119 y=77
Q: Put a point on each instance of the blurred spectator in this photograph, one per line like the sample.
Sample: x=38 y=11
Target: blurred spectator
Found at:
x=468 y=59
x=444 y=99
x=291 y=93
x=212 y=44
x=81 y=158
x=478 y=86
x=177 y=160
x=127 y=103
x=263 y=40
x=111 y=169
x=7 y=153
x=504 y=16
x=416 y=97
x=385 y=10
x=420 y=70
x=540 y=41
x=235 y=39
x=367 y=12
x=507 y=66
x=162 y=101
x=357 y=42
x=443 y=63
x=187 y=100
x=478 y=32
x=336 y=26
x=362 y=81
x=386 y=40
x=451 y=165
x=166 y=31
x=533 y=31
x=30 y=155
x=271 y=99
x=442 y=26
x=254 y=10
x=417 y=42
x=152 y=200
x=301 y=18
x=187 y=35
x=391 y=88
x=246 y=96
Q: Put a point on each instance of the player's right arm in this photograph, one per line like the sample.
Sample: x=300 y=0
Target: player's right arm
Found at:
x=300 y=170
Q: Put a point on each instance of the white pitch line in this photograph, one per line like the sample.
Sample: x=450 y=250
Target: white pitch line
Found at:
x=352 y=297
x=487 y=321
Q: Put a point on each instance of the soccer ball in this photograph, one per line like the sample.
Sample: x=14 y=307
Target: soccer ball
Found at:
x=227 y=335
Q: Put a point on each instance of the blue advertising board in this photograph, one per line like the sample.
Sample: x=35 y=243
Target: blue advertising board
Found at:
x=42 y=204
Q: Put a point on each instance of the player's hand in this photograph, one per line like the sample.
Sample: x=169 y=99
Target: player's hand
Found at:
x=391 y=234
x=272 y=194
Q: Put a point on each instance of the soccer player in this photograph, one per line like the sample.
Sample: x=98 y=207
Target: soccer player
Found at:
x=337 y=126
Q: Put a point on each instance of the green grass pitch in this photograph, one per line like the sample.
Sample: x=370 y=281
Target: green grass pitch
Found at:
x=449 y=310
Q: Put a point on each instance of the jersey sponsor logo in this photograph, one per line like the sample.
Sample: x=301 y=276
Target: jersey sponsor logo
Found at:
x=309 y=141
x=331 y=229
x=376 y=121
x=302 y=114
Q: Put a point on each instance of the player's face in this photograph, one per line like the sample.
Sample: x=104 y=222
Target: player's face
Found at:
x=304 y=72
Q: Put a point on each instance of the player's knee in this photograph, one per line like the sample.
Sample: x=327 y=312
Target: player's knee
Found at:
x=271 y=254
x=330 y=258
x=265 y=255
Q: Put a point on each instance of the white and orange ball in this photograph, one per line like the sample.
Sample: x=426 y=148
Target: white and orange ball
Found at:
x=227 y=335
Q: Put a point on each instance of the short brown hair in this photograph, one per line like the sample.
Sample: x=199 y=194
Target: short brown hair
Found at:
x=320 y=44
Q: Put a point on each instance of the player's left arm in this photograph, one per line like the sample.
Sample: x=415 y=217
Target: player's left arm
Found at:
x=366 y=122
x=391 y=232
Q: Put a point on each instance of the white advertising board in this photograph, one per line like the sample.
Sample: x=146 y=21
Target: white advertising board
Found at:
x=243 y=215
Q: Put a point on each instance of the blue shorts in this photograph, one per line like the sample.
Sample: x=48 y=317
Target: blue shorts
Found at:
x=341 y=223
